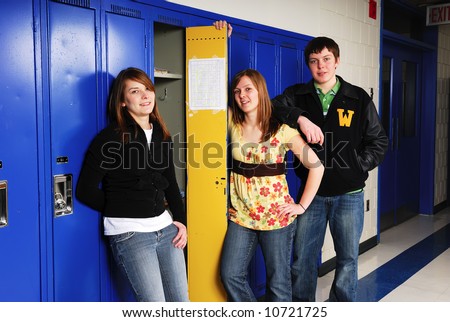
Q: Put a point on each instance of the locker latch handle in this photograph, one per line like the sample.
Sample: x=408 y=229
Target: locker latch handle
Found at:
x=3 y=203
x=62 y=190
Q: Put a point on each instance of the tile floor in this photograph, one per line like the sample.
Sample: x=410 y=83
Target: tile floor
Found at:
x=410 y=264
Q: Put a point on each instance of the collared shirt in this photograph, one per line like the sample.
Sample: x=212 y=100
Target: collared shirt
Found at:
x=327 y=98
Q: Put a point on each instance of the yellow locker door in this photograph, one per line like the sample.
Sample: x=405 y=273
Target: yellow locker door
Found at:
x=206 y=133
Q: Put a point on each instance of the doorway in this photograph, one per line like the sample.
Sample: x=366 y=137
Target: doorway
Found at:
x=400 y=111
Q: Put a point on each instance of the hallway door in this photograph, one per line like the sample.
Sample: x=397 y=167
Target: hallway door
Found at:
x=400 y=110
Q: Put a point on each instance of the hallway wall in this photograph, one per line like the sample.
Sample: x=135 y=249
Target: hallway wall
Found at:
x=442 y=116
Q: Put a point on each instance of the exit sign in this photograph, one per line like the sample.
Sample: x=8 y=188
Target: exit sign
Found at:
x=438 y=14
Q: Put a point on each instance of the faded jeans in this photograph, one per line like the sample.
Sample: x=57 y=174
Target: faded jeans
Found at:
x=345 y=216
x=155 y=269
x=239 y=248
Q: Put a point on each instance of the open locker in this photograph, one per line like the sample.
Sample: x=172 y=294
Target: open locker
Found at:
x=206 y=119
x=195 y=133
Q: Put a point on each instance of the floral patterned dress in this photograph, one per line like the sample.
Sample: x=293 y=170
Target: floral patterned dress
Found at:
x=254 y=200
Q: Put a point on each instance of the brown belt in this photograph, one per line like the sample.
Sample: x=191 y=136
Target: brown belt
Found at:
x=249 y=170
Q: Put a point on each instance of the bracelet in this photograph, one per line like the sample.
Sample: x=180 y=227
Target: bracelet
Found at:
x=302 y=206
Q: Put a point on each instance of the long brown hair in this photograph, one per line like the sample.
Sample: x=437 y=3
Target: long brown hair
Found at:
x=117 y=97
x=267 y=123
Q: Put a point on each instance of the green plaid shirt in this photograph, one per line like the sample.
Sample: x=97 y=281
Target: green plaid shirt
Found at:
x=327 y=98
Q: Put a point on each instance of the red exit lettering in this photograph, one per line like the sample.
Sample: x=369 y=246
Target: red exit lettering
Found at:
x=439 y=14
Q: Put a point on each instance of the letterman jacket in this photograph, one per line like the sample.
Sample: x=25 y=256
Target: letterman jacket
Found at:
x=354 y=139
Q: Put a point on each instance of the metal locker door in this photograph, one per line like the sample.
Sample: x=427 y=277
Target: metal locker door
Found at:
x=266 y=61
x=290 y=73
x=125 y=46
x=206 y=128
x=73 y=122
x=125 y=34
x=241 y=51
x=19 y=207
x=291 y=62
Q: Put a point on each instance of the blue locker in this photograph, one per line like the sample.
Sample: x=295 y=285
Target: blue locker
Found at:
x=291 y=62
x=280 y=60
x=266 y=61
x=79 y=78
x=73 y=121
x=240 y=51
x=125 y=45
x=19 y=216
x=126 y=38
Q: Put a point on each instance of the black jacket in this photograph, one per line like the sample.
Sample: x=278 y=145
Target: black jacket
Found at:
x=136 y=178
x=355 y=141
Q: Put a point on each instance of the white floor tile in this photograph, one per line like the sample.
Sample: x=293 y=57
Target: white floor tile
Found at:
x=432 y=283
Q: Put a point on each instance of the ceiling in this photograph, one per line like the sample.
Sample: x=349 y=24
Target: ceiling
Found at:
x=423 y=3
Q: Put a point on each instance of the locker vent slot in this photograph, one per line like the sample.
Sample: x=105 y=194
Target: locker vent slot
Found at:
x=78 y=3
x=170 y=20
x=241 y=35
x=266 y=40
x=124 y=11
x=288 y=45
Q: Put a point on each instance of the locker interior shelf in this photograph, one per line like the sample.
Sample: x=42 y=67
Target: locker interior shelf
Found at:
x=160 y=74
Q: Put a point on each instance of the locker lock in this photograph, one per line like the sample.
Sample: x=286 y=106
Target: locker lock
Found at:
x=60 y=204
x=62 y=191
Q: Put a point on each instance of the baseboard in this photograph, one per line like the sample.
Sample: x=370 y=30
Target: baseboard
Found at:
x=440 y=206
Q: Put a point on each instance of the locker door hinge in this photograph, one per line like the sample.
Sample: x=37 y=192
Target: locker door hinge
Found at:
x=145 y=41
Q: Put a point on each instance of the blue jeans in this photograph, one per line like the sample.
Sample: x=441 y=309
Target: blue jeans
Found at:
x=155 y=269
x=345 y=216
x=239 y=248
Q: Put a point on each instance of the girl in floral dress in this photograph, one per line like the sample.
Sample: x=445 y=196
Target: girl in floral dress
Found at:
x=262 y=210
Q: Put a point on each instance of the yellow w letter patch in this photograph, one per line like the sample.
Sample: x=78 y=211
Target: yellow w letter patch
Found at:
x=345 y=119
